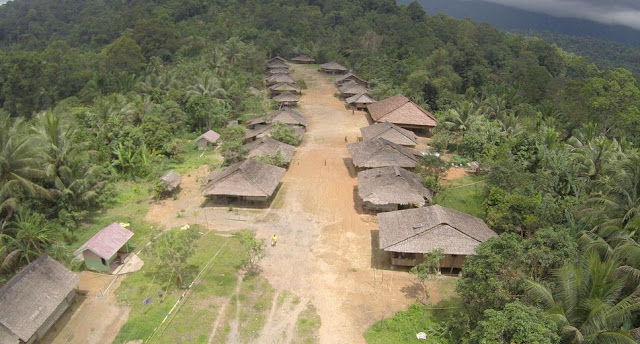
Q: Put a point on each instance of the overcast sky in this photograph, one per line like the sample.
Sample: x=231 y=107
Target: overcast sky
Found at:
x=621 y=12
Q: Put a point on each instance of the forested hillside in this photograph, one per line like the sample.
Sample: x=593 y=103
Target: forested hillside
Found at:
x=94 y=92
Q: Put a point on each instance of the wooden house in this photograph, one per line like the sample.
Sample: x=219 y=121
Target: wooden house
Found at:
x=403 y=112
x=106 y=250
x=381 y=153
x=283 y=87
x=333 y=68
x=34 y=299
x=267 y=146
x=391 y=133
x=352 y=88
x=408 y=234
x=351 y=77
x=280 y=78
x=287 y=99
x=391 y=188
x=171 y=182
x=360 y=101
x=207 y=139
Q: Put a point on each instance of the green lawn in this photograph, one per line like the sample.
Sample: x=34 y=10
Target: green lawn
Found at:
x=464 y=194
x=403 y=327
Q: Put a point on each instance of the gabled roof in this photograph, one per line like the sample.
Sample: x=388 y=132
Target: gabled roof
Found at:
x=332 y=65
x=277 y=64
x=279 y=70
x=303 y=58
x=350 y=76
x=278 y=78
x=287 y=116
x=172 y=180
x=107 y=241
x=269 y=146
x=352 y=88
x=286 y=97
x=392 y=185
x=210 y=136
x=246 y=178
x=284 y=86
x=424 y=230
x=380 y=153
x=400 y=110
x=361 y=98
x=257 y=131
x=277 y=58
x=389 y=132
x=33 y=295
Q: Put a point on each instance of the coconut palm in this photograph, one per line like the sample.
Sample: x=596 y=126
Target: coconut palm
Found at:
x=588 y=301
x=461 y=118
x=32 y=234
x=206 y=85
x=594 y=156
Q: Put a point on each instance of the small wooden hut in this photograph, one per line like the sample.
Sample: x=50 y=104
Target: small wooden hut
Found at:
x=259 y=131
x=391 y=188
x=247 y=182
x=277 y=64
x=391 y=133
x=280 y=70
x=207 y=139
x=107 y=249
x=284 y=87
x=171 y=182
x=280 y=78
x=269 y=147
x=287 y=99
x=408 y=234
x=34 y=299
x=352 y=88
x=333 y=68
x=381 y=153
x=402 y=112
x=303 y=59
x=350 y=77
x=277 y=58
x=359 y=101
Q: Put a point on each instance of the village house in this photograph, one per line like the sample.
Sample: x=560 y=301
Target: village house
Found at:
x=391 y=133
x=283 y=87
x=207 y=139
x=280 y=78
x=267 y=146
x=246 y=182
x=403 y=112
x=351 y=88
x=287 y=99
x=107 y=249
x=391 y=188
x=259 y=131
x=32 y=301
x=277 y=58
x=350 y=77
x=333 y=68
x=408 y=234
x=381 y=153
x=279 y=70
x=360 y=101
x=303 y=59
x=277 y=64
x=171 y=182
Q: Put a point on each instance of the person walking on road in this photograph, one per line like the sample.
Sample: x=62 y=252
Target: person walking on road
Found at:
x=274 y=240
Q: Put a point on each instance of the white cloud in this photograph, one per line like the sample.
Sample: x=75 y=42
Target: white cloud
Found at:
x=620 y=12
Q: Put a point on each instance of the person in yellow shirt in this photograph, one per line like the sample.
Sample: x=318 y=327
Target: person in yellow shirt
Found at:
x=274 y=240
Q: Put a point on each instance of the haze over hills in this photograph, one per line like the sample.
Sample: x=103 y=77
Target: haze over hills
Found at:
x=510 y=18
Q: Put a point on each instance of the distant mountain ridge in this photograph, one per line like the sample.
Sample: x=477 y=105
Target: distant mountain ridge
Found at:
x=509 y=18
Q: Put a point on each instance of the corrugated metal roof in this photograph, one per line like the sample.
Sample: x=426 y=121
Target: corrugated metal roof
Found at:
x=107 y=241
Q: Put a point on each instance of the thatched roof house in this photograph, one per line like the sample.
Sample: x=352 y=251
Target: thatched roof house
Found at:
x=279 y=70
x=381 y=153
x=287 y=99
x=258 y=132
x=171 y=180
x=409 y=233
x=403 y=112
x=208 y=138
x=333 y=68
x=284 y=87
x=303 y=59
x=391 y=188
x=277 y=64
x=391 y=133
x=269 y=146
x=32 y=301
x=279 y=78
x=352 y=88
x=360 y=101
x=288 y=116
x=102 y=251
x=350 y=77
x=246 y=181
x=277 y=58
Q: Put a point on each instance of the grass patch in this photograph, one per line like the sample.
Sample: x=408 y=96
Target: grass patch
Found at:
x=193 y=159
x=256 y=296
x=308 y=326
x=194 y=322
x=465 y=194
x=404 y=325
x=278 y=201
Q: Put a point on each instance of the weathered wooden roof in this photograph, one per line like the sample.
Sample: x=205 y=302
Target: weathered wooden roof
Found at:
x=350 y=77
x=278 y=78
x=361 y=98
x=287 y=116
x=380 y=153
x=392 y=185
x=284 y=86
x=424 y=230
x=172 y=180
x=389 y=132
x=107 y=241
x=248 y=178
x=257 y=131
x=210 y=136
x=277 y=64
x=400 y=110
x=33 y=295
x=286 y=97
x=279 y=70
x=332 y=65
x=277 y=58
x=352 y=88
x=303 y=58
x=269 y=146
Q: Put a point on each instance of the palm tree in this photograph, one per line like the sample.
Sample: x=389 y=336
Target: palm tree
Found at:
x=496 y=108
x=460 y=119
x=31 y=235
x=594 y=156
x=588 y=301
x=233 y=49
x=206 y=85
